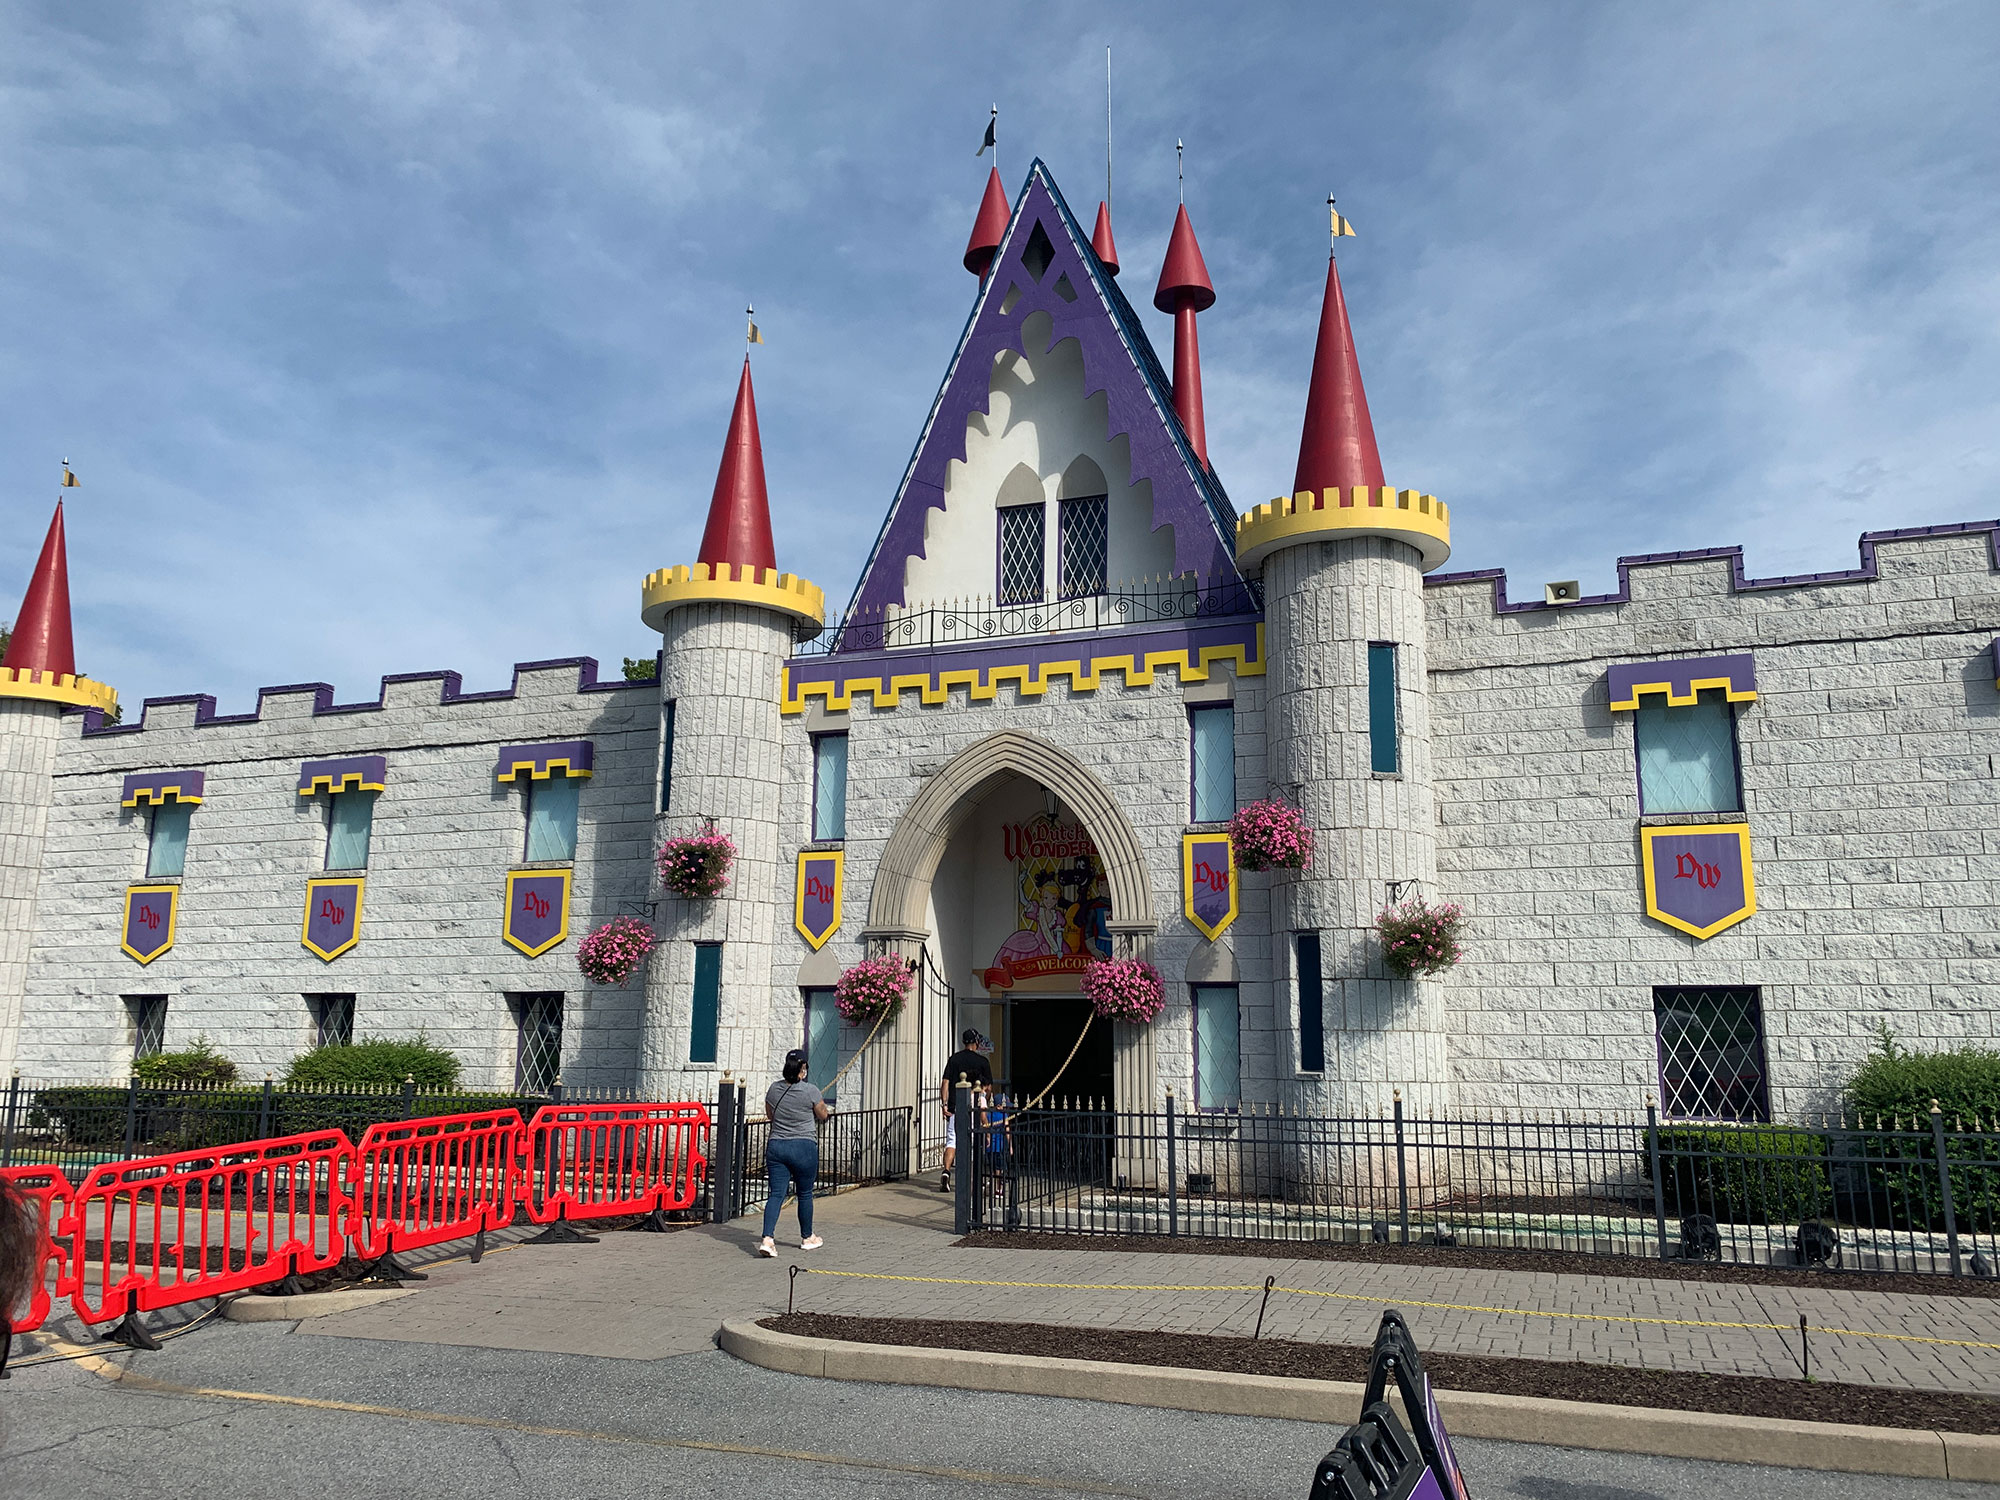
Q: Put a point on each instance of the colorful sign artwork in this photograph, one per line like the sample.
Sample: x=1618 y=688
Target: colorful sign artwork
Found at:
x=1062 y=904
x=333 y=916
x=537 y=910
x=1698 y=876
x=816 y=902
x=150 y=912
x=1208 y=882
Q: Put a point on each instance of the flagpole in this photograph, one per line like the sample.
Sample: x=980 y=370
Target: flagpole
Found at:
x=1107 y=129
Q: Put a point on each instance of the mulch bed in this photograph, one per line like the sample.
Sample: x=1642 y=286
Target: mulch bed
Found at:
x=1613 y=1385
x=1437 y=1257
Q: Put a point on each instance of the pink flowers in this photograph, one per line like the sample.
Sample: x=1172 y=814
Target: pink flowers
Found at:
x=1271 y=835
x=873 y=989
x=1420 y=939
x=1125 y=989
x=698 y=867
x=611 y=953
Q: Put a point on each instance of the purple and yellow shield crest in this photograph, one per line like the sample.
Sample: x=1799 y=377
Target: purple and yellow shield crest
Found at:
x=333 y=916
x=150 y=911
x=537 y=910
x=1208 y=882
x=1698 y=876
x=816 y=902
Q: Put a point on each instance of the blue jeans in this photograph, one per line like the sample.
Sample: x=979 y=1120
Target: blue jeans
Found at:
x=790 y=1163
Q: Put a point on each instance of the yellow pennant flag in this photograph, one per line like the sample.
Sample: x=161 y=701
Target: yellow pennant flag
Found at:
x=70 y=481
x=756 y=334
x=1339 y=226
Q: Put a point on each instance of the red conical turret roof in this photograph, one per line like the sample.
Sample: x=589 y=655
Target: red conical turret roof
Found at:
x=989 y=228
x=41 y=641
x=739 y=513
x=1183 y=276
x=1101 y=241
x=1337 y=448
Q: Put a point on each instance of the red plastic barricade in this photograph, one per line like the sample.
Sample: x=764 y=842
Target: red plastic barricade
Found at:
x=49 y=1195
x=596 y=1161
x=419 y=1182
x=194 y=1224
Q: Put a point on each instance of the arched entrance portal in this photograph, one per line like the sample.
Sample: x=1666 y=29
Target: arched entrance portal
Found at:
x=1010 y=868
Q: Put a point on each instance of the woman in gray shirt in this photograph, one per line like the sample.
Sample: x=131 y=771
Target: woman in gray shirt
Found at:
x=794 y=1108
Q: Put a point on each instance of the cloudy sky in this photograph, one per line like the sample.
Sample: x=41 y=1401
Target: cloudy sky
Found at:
x=396 y=338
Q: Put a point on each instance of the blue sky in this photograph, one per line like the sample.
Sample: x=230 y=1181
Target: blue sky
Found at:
x=390 y=339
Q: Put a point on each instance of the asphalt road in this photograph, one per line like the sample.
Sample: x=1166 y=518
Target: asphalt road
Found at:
x=248 y=1411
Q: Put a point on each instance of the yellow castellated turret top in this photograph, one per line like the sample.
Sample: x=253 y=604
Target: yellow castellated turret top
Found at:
x=1365 y=510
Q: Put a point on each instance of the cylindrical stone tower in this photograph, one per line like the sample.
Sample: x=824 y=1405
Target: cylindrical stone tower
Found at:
x=1348 y=721
x=726 y=625
x=38 y=682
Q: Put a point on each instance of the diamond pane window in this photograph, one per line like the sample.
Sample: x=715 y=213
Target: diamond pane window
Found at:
x=1212 y=732
x=1086 y=542
x=829 y=787
x=333 y=1020
x=538 y=1029
x=1021 y=529
x=1687 y=757
x=1218 y=1079
x=1711 y=1044
x=149 y=1024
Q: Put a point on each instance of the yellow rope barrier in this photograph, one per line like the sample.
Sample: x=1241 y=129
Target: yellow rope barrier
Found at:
x=1301 y=1291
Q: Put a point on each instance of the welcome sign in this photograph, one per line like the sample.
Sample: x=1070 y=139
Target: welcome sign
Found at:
x=333 y=916
x=1062 y=904
x=816 y=899
x=1698 y=876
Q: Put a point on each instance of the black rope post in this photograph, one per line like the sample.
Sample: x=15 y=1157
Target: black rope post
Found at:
x=791 y=1288
x=1269 y=1282
x=1805 y=1350
x=478 y=1244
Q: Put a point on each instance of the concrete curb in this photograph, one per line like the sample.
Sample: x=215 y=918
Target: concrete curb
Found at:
x=309 y=1304
x=1474 y=1414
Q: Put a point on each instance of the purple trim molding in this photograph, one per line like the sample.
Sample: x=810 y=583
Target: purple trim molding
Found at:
x=539 y=761
x=151 y=788
x=1118 y=360
x=369 y=773
x=1683 y=680
x=450 y=691
x=1738 y=583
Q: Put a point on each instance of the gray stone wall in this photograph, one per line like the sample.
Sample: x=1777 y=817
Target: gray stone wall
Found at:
x=1869 y=769
x=445 y=835
x=29 y=732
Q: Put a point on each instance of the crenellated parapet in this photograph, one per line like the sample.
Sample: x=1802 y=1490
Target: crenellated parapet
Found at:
x=65 y=688
x=731 y=583
x=1334 y=514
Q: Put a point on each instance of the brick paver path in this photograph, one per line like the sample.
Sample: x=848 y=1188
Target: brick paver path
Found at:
x=644 y=1296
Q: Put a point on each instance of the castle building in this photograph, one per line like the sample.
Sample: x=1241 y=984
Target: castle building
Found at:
x=1709 y=831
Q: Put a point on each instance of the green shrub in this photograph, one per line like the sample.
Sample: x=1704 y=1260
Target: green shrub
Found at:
x=380 y=1062
x=1744 y=1174
x=200 y=1063
x=1898 y=1084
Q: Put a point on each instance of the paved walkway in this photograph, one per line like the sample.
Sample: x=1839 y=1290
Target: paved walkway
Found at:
x=640 y=1296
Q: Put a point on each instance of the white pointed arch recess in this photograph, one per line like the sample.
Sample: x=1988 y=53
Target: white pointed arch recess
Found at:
x=896 y=906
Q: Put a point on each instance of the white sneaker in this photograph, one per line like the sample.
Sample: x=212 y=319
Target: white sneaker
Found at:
x=811 y=1243
x=768 y=1249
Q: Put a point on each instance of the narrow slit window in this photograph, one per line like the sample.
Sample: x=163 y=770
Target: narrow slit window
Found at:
x=822 y=1040
x=332 y=1020
x=538 y=1042
x=829 y=787
x=666 y=754
x=1084 y=525
x=1384 y=754
x=552 y=818
x=1687 y=756
x=1021 y=544
x=705 y=1027
x=166 y=840
x=1312 y=1013
x=1212 y=753
x=349 y=820
x=1218 y=1074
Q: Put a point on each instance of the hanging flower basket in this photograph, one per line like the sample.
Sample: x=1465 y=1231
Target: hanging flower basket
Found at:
x=697 y=868
x=611 y=954
x=1419 y=939
x=1125 y=989
x=872 y=990
x=1271 y=835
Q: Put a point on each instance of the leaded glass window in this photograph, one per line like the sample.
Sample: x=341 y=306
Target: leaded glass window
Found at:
x=166 y=843
x=149 y=1023
x=552 y=817
x=1711 y=1046
x=822 y=1040
x=333 y=1020
x=829 y=786
x=1687 y=756
x=1085 y=526
x=348 y=821
x=1021 y=528
x=538 y=1036
x=1218 y=1081
x=1212 y=735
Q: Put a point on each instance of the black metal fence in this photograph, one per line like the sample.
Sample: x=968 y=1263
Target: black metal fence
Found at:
x=855 y=1147
x=1878 y=1195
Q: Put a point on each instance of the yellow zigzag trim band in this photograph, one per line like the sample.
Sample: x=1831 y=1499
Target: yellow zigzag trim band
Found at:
x=1029 y=679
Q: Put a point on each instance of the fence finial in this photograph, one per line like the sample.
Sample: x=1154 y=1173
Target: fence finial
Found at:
x=1936 y=1108
x=1651 y=1102
x=1398 y=1093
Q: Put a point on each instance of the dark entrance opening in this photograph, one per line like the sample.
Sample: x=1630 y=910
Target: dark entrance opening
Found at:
x=1044 y=1029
